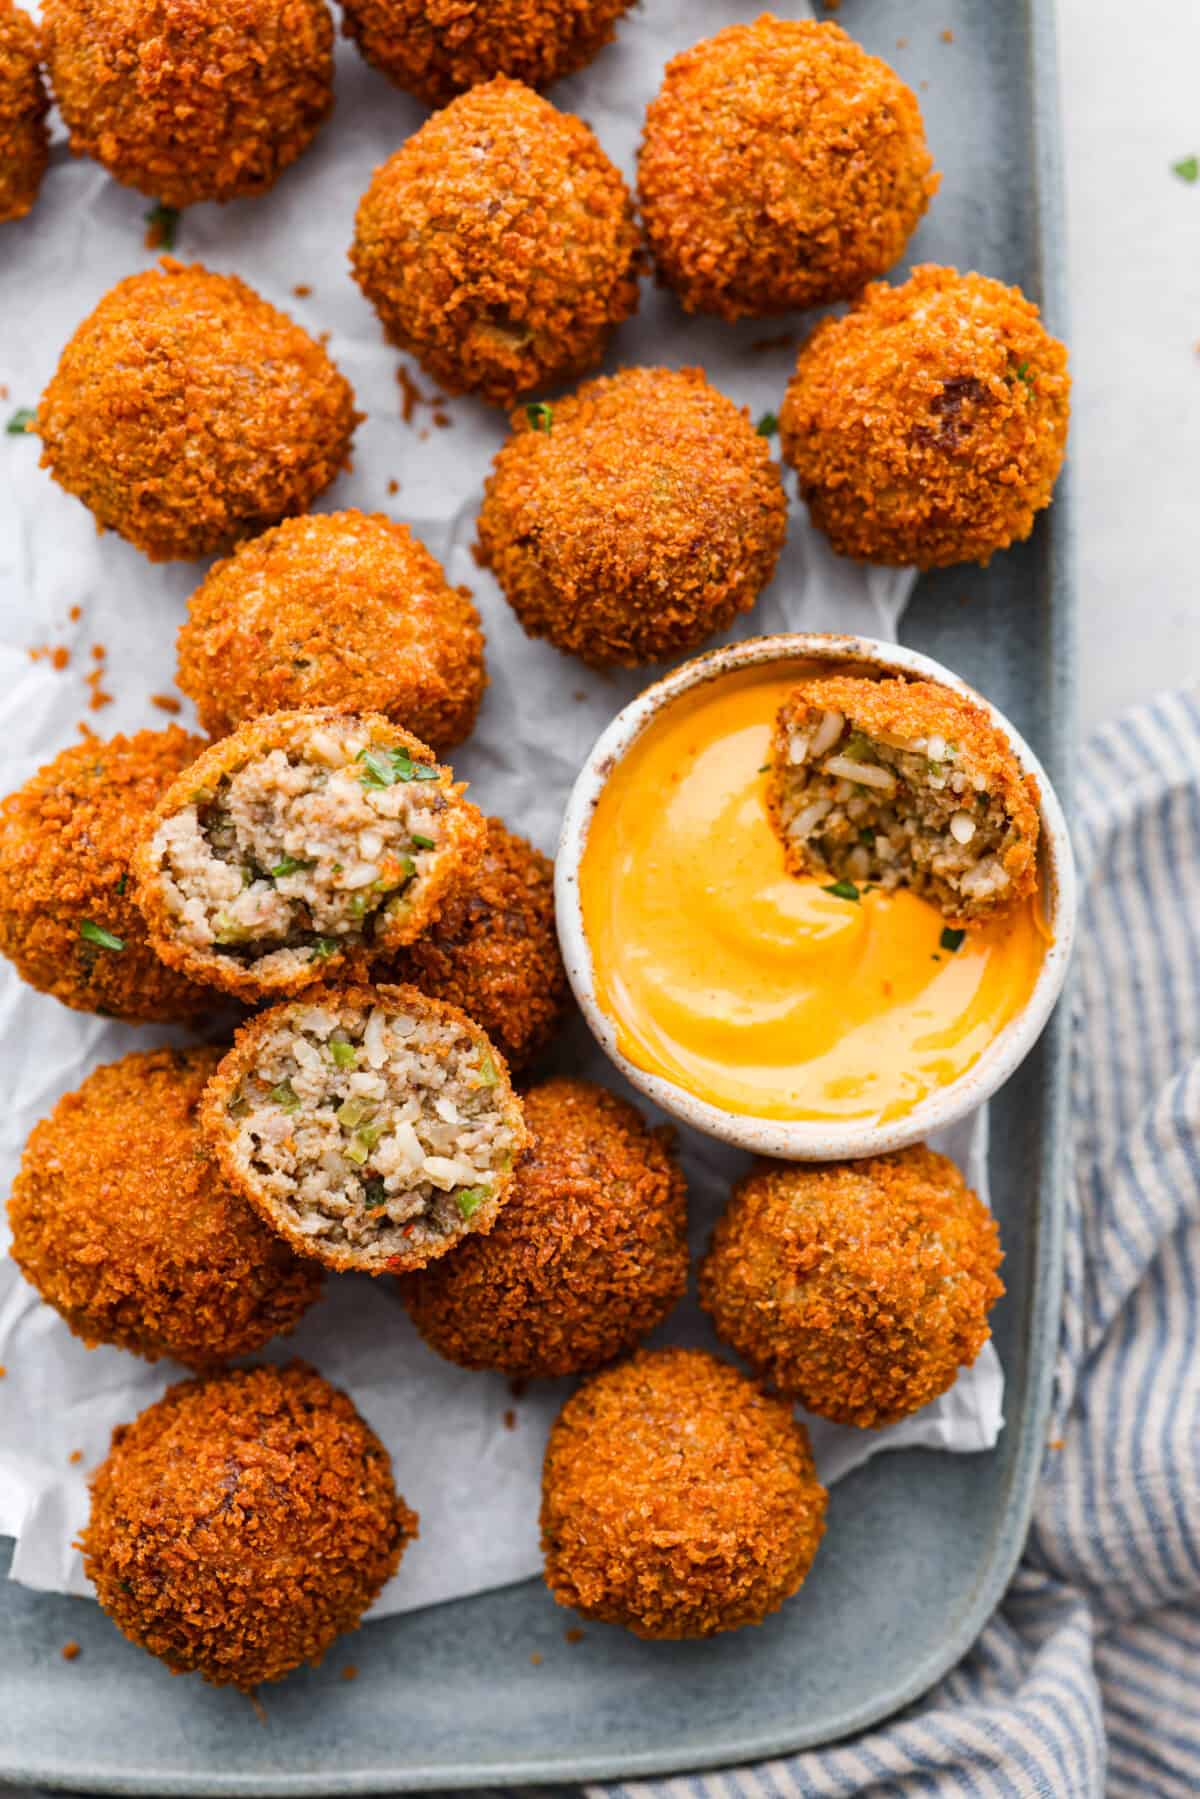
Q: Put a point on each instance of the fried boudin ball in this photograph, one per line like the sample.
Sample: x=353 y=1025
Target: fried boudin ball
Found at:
x=300 y=847
x=493 y=949
x=68 y=919
x=436 y=50
x=634 y=519
x=677 y=1499
x=186 y=412
x=124 y=1224
x=242 y=1523
x=781 y=167
x=498 y=244
x=858 y=1288
x=929 y=424
x=373 y=1128
x=904 y=784
x=587 y=1257
x=24 y=139
x=191 y=100
x=334 y=609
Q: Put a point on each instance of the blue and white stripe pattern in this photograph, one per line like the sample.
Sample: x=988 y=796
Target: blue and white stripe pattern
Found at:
x=1087 y=1680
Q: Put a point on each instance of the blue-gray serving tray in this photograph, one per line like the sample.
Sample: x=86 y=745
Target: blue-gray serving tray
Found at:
x=919 y=1545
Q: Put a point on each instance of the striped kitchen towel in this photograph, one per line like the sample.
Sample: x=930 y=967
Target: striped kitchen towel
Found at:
x=1087 y=1680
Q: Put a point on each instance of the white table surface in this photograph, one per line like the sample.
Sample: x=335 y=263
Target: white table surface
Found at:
x=1129 y=81
x=1130 y=109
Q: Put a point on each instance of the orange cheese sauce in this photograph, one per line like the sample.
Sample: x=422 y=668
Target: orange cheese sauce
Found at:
x=754 y=991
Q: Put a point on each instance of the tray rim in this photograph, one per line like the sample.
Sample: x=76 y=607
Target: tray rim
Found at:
x=1040 y=17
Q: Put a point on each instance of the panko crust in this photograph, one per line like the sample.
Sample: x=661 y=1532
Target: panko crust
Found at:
x=498 y=244
x=240 y=1060
x=929 y=424
x=781 y=167
x=24 y=138
x=438 y=48
x=66 y=844
x=122 y=1222
x=289 y=731
x=343 y=609
x=858 y=1288
x=588 y=1256
x=152 y=420
x=242 y=1523
x=677 y=1499
x=188 y=100
x=643 y=520
x=916 y=709
x=493 y=949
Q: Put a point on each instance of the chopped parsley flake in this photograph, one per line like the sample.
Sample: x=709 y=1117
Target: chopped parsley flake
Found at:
x=540 y=416
x=470 y=1199
x=374 y=1195
x=287 y=865
x=383 y=768
x=951 y=939
x=94 y=933
x=24 y=415
x=285 y=1096
x=162 y=222
x=422 y=842
x=1187 y=168
x=842 y=890
x=322 y=949
x=767 y=425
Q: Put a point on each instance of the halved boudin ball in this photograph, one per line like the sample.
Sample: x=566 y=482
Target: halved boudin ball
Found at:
x=436 y=48
x=493 y=949
x=24 y=139
x=68 y=919
x=781 y=167
x=858 y=1288
x=242 y=1523
x=635 y=518
x=300 y=847
x=927 y=425
x=343 y=609
x=588 y=1256
x=498 y=244
x=677 y=1499
x=206 y=100
x=373 y=1128
x=124 y=1223
x=904 y=784
x=186 y=412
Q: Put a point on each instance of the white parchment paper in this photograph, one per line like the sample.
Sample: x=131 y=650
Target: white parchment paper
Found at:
x=472 y=1474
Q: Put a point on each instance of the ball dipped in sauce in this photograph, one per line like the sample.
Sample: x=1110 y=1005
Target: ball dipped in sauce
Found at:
x=755 y=991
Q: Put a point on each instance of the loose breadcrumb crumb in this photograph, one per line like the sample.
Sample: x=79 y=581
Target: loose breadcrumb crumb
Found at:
x=70 y=1651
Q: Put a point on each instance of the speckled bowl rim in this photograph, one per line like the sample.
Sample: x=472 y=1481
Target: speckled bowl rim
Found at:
x=806 y=1139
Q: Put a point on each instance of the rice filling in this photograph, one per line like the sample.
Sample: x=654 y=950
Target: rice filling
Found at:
x=302 y=851
x=891 y=812
x=371 y=1127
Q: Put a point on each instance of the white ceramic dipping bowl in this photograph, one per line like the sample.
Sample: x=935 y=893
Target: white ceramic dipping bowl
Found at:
x=808 y=1139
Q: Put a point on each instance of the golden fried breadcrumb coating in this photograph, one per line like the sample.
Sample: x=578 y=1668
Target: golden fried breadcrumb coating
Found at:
x=588 y=1256
x=781 y=167
x=493 y=949
x=929 y=424
x=498 y=244
x=858 y=1288
x=960 y=823
x=187 y=99
x=677 y=1499
x=66 y=891
x=437 y=48
x=186 y=412
x=124 y=1224
x=638 y=518
x=242 y=1523
x=24 y=139
x=343 y=609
